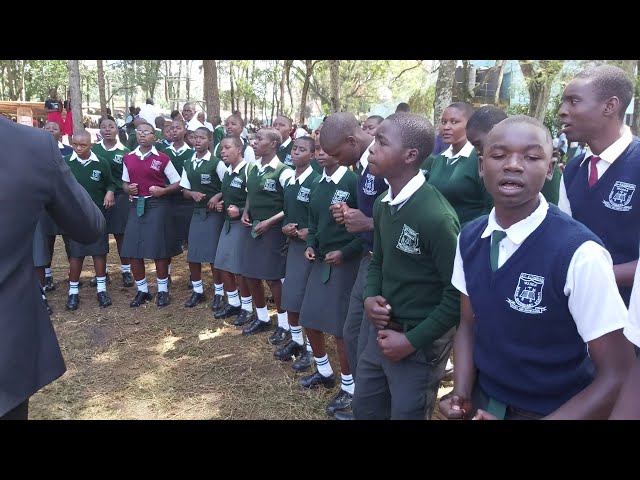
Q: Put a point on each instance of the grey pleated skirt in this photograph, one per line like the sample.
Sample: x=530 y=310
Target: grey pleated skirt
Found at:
x=181 y=211
x=41 y=253
x=296 y=275
x=325 y=305
x=151 y=235
x=118 y=215
x=97 y=248
x=231 y=246
x=204 y=233
x=263 y=256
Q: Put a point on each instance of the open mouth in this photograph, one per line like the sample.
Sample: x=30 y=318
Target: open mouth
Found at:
x=511 y=185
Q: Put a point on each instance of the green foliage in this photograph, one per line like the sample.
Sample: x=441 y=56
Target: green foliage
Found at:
x=421 y=101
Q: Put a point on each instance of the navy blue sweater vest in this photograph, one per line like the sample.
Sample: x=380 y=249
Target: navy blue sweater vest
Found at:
x=611 y=208
x=527 y=348
x=369 y=188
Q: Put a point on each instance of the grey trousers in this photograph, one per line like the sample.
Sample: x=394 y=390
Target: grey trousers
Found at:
x=355 y=331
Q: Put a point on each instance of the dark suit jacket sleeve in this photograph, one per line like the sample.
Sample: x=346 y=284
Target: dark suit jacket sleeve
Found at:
x=71 y=206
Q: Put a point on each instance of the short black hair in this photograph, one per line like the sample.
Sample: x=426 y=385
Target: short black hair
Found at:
x=416 y=132
x=403 y=107
x=610 y=81
x=337 y=127
x=516 y=119
x=102 y=119
x=235 y=139
x=377 y=118
x=311 y=143
x=174 y=114
x=236 y=116
x=287 y=119
x=204 y=129
x=464 y=107
x=483 y=119
x=149 y=101
x=273 y=134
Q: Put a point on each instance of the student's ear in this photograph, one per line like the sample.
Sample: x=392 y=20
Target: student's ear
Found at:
x=611 y=106
x=551 y=169
x=412 y=156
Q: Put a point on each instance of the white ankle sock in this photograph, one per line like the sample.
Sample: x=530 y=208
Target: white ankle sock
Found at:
x=101 y=284
x=247 y=303
x=323 y=365
x=219 y=288
x=283 y=320
x=347 y=383
x=296 y=335
x=73 y=288
x=142 y=285
x=197 y=286
x=233 y=298
x=263 y=314
x=47 y=272
x=126 y=268
x=163 y=284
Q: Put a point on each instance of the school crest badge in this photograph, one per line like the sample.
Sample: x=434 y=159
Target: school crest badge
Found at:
x=528 y=294
x=205 y=179
x=620 y=197
x=409 y=241
x=287 y=160
x=269 y=185
x=369 y=187
x=303 y=194
x=96 y=175
x=156 y=165
x=117 y=159
x=236 y=182
x=339 y=196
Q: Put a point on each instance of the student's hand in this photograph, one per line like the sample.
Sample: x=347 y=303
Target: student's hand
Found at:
x=263 y=227
x=337 y=210
x=310 y=254
x=303 y=234
x=156 y=191
x=378 y=311
x=394 y=345
x=133 y=189
x=482 y=415
x=198 y=196
x=109 y=200
x=211 y=204
x=355 y=221
x=246 y=221
x=333 y=258
x=233 y=211
x=455 y=407
x=290 y=229
x=219 y=206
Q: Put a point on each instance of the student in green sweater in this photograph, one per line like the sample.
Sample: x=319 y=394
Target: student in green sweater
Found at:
x=94 y=174
x=283 y=125
x=335 y=254
x=409 y=297
x=455 y=171
x=218 y=131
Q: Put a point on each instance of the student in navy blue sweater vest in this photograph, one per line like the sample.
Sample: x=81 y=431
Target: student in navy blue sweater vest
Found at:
x=541 y=323
x=598 y=187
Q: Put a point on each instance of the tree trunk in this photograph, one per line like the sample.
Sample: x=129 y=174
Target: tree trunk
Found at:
x=246 y=76
x=334 y=71
x=500 y=65
x=283 y=78
x=444 y=88
x=101 y=89
x=539 y=80
x=273 y=104
x=76 y=95
x=635 y=125
x=22 y=87
x=233 y=96
x=188 y=72
x=211 y=92
x=305 y=89
x=289 y=64
x=179 y=93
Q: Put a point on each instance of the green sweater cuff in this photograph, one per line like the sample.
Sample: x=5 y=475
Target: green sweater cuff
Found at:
x=352 y=249
x=431 y=329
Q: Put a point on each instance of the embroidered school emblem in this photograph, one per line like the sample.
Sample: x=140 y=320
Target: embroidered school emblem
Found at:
x=288 y=161
x=205 y=178
x=96 y=175
x=236 y=182
x=117 y=159
x=339 y=196
x=369 y=187
x=528 y=294
x=620 y=197
x=409 y=241
x=269 y=185
x=303 y=194
x=156 y=165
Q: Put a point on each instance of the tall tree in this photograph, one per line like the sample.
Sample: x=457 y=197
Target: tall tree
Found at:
x=187 y=71
x=211 y=92
x=539 y=76
x=284 y=78
x=290 y=63
x=76 y=95
x=233 y=95
x=101 y=89
x=334 y=72
x=444 y=88
x=309 y=64
x=246 y=95
x=500 y=65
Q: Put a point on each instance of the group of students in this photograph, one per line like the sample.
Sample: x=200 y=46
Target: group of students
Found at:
x=399 y=252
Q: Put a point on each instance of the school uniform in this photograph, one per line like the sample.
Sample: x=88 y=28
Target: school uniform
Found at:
x=551 y=189
x=457 y=178
x=94 y=174
x=326 y=298
x=181 y=208
x=284 y=153
x=552 y=292
x=247 y=152
x=297 y=194
x=150 y=233
x=117 y=215
x=204 y=175
x=413 y=251
x=610 y=207
x=218 y=135
x=263 y=256
x=234 y=235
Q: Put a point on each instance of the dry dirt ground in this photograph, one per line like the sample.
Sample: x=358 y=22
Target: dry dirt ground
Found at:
x=165 y=363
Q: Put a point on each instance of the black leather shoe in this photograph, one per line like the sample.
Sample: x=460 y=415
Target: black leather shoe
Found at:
x=140 y=298
x=217 y=303
x=289 y=351
x=257 y=327
x=341 y=401
x=127 y=280
x=48 y=284
x=243 y=318
x=72 y=302
x=162 y=300
x=189 y=285
x=194 y=300
x=346 y=414
x=94 y=281
x=278 y=336
x=228 y=311
x=104 y=300
x=316 y=379
x=304 y=362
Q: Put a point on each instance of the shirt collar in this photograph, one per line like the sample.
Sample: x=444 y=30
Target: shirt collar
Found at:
x=405 y=194
x=518 y=232
x=92 y=158
x=304 y=175
x=273 y=164
x=238 y=167
x=337 y=175
x=181 y=150
x=614 y=150
x=364 y=159
x=141 y=156
x=207 y=156
x=194 y=124
x=117 y=146
x=285 y=143
x=465 y=151
x=61 y=145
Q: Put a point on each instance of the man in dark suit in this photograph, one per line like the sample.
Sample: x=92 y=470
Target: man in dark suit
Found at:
x=34 y=177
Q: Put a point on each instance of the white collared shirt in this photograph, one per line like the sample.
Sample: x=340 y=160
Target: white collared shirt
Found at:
x=364 y=159
x=607 y=157
x=285 y=143
x=303 y=176
x=632 y=329
x=209 y=125
x=465 y=151
x=284 y=176
x=336 y=177
x=220 y=169
x=117 y=146
x=169 y=171
x=179 y=151
x=238 y=167
x=405 y=194
x=590 y=271
x=194 y=124
x=92 y=158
